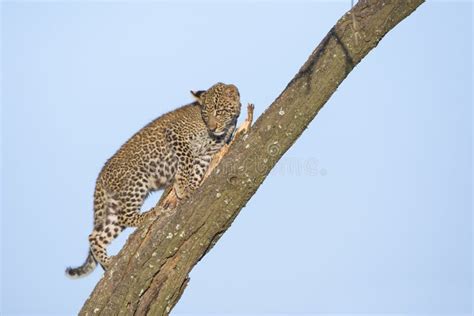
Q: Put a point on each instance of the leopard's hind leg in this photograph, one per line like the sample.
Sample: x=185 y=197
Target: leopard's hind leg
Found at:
x=114 y=213
x=131 y=203
x=106 y=228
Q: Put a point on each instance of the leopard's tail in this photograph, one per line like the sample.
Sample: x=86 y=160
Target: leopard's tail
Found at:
x=86 y=268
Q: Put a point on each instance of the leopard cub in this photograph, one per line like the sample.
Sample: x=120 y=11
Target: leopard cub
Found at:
x=174 y=149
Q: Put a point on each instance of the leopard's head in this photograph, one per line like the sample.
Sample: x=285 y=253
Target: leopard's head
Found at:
x=220 y=107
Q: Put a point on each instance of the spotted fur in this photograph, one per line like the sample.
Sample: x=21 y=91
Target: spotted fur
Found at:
x=175 y=149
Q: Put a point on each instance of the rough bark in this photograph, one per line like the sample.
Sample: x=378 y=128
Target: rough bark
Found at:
x=151 y=272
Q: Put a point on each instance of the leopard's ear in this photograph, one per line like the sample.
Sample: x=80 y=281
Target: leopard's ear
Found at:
x=198 y=95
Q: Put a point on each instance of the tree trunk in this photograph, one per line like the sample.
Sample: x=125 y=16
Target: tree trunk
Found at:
x=150 y=273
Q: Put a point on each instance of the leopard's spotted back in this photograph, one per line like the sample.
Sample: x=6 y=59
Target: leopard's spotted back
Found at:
x=174 y=149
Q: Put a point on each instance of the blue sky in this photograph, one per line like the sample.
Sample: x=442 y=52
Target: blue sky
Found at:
x=369 y=212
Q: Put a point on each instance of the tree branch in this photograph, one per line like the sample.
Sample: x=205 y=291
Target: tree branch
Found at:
x=150 y=274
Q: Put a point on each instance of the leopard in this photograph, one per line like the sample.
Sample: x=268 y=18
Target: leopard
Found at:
x=173 y=151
